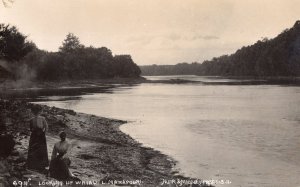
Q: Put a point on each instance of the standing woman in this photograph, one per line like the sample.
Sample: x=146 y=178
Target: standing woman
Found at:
x=37 y=152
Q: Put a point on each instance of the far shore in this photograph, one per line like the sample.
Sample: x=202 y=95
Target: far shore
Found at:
x=72 y=87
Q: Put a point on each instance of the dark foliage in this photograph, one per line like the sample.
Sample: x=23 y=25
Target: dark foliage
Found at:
x=4 y=74
x=7 y=144
x=77 y=62
x=125 y=67
x=276 y=57
x=71 y=44
x=13 y=44
x=178 y=69
x=73 y=61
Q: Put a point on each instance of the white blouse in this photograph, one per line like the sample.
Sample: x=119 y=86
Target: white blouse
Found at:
x=60 y=148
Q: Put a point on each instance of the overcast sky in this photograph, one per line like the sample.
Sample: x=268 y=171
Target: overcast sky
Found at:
x=153 y=31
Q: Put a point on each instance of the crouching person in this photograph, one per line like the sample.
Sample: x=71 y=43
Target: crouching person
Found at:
x=60 y=162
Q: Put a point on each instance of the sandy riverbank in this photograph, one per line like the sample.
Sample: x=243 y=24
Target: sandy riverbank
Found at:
x=101 y=152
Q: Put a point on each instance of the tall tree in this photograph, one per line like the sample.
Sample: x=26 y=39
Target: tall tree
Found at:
x=70 y=44
x=13 y=44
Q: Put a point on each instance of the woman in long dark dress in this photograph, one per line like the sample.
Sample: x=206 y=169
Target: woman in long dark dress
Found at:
x=60 y=162
x=37 y=152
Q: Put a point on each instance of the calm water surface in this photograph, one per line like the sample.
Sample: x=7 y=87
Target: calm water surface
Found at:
x=247 y=134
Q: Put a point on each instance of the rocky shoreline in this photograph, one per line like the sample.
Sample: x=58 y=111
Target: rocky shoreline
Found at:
x=102 y=155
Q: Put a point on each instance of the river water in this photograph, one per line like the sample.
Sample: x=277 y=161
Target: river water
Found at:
x=248 y=134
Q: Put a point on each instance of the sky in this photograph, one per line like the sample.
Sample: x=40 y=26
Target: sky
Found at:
x=153 y=31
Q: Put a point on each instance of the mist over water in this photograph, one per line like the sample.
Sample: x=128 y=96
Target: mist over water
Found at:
x=247 y=134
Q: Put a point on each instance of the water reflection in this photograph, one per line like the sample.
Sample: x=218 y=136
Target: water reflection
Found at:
x=248 y=134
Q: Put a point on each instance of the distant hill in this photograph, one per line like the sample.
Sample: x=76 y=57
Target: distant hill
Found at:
x=279 y=56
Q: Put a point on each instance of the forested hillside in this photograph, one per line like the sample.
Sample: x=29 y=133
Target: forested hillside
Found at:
x=268 y=57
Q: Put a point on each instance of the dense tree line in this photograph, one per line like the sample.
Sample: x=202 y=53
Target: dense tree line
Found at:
x=72 y=61
x=276 y=57
x=178 y=69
